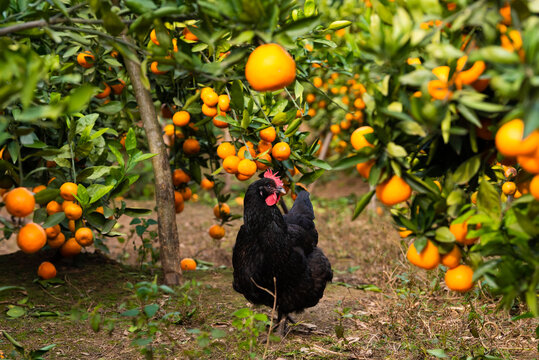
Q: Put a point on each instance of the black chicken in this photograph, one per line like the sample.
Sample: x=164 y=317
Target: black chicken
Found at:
x=271 y=245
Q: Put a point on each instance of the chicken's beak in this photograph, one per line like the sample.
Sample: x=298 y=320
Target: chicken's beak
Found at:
x=281 y=190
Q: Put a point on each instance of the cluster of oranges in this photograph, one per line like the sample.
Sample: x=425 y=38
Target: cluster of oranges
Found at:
x=20 y=202
x=86 y=60
x=521 y=152
x=214 y=105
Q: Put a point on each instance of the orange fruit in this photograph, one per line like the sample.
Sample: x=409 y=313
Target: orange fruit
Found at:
x=39 y=188
x=186 y=193
x=268 y=134
x=505 y=12
x=335 y=129
x=459 y=278
x=359 y=103
x=509 y=188
x=209 y=110
x=204 y=91
x=243 y=149
x=225 y=149
x=84 y=236
x=56 y=242
x=358 y=139
x=207 y=184
x=72 y=226
x=179 y=207
x=364 y=168
x=219 y=123
x=153 y=37
x=247 y=167
x=20 y=202
x=31 y=238
x=310 y=98
x=241 y=177
x=181 y=118
x=220 y=210
x=188 y=264
x=210 y=98
x=189 y=35
x=53 y=231
x=345 y=124
x=534 y=187
x=311 y=112
x=461 y=231
x=217 y=231
x=180 y=177
x=224 y=102
x=230 y=164
x=73 y=212
x=318 y=82
x=404 y=232
x=86 y=59
x=118 y=88
x=70 y=248
x=393 y=191
x=191 y=146
x=68 y=191
x=509 y=141
x=178 y=198
x=452 y=258
x=270 y=67
x=260 y=166
x=264 y=146
x=281 y=151
x=65 y=204
x=46 y=270
x=530 y=163
x=428 y=259
x=154 y=68
x=106 y=92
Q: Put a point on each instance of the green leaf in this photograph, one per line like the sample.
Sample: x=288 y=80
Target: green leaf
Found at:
x=118 y=154
x=294 y=125
x=444 y=235
x=488 y=200
x=242 y=313
x=11 y=287
x=97 y=191
x=134 y=212
x=439 y=353
x=151 y=309
x=16 y=312
x=236 y=96
x=395 y=150
x=111 y=108
x=80 y=97
x=54 y=219
x=467 y=170
x=82 y=195
x=44 y=196
x=140 y=6
x=130 y=140
x=362 y=202
x=300 y=27
x=321 y=164
x=113 y=23
x=311 y=177
x=350 y=161
x=131 y=313
x=95 y=321
x=12 y=340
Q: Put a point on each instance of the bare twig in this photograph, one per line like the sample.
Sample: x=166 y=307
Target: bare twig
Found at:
x=272 y=310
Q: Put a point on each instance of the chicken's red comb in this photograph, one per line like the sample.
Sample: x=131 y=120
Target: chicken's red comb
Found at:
x=273 y=176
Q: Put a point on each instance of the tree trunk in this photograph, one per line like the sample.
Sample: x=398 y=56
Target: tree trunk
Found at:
x=164 y=190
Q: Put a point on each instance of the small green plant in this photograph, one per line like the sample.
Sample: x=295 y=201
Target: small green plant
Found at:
x=206 y=341
x=342 y=314
x=21 y=353
x=148 y=256
x=249 y=325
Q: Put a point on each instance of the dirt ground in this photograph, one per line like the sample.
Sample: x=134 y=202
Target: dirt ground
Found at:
x=378 y=306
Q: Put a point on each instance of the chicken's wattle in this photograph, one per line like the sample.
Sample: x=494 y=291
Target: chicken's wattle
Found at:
x=272 y=199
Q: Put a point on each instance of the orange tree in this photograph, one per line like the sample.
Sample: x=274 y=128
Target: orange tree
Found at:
x=81 y=83
x=450 y=134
